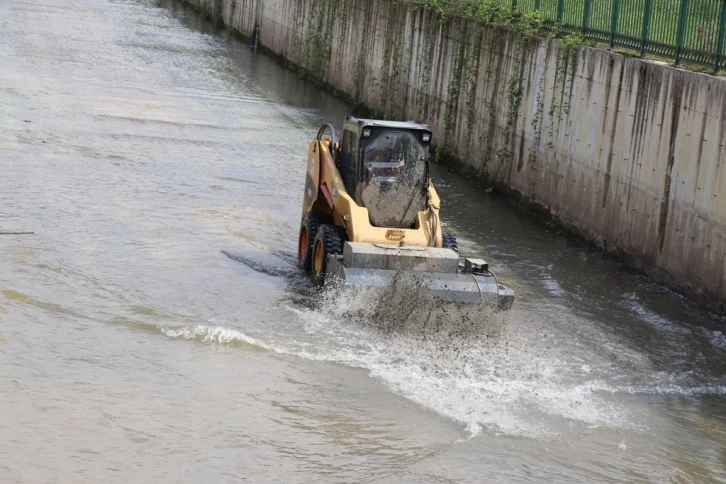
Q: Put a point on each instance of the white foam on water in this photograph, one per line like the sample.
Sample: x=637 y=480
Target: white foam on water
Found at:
x=552 y=286
x=468 y=364
x=652 y=318
x=672 y=389
x=717 y=338
x=212 y=334
x=504 y=372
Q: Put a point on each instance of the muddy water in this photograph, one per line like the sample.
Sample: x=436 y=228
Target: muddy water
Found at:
x=139 y=142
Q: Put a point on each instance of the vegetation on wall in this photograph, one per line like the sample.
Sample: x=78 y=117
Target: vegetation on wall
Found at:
x=471 y=75
x=392 y=67
x=313 y=35
x=232 y=9
x=430 y=27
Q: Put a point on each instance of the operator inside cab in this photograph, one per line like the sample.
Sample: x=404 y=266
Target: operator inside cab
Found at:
x=392 y=154
x=394 y=190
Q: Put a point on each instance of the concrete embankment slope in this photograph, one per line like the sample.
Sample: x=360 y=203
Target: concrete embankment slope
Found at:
x=628 y=153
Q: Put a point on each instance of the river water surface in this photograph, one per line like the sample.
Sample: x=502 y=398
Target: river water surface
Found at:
x=139 y=143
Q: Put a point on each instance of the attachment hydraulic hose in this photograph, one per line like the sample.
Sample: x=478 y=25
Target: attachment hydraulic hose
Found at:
x=434 y=223
x=481 y=293
x=433 y=219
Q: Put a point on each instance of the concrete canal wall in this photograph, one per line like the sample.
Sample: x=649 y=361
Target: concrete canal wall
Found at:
x=626 y=152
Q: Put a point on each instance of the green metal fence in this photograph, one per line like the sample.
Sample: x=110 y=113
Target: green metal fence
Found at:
x=690 y=30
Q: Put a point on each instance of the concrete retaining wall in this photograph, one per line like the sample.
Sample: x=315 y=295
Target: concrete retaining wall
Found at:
x=628 y=153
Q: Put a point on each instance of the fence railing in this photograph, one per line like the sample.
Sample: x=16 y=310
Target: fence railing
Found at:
x=683 y=30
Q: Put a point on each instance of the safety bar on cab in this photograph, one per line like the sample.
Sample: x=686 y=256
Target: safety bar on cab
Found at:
x=322 y=130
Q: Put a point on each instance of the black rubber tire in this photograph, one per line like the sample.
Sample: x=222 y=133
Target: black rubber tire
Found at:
x=330 y=239
x=309 y=225
x=449 y=242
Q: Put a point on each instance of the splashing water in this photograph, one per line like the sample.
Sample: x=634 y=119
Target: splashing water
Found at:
x=468 y=363
x=515 y=373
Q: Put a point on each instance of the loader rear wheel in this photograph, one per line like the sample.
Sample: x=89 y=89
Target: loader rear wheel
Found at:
x=449 y=242
x=308 y=231
x=329 y=241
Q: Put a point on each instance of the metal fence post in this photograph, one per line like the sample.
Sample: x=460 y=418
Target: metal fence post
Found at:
x=614 y=23
x=537 y=4
x=586 y=17
x=721 y=32
x=560 y=10
x=682 y=24
x=514 y=4
x=646 y=26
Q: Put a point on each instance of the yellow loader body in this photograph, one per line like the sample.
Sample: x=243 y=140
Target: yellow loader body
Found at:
x=370 y=216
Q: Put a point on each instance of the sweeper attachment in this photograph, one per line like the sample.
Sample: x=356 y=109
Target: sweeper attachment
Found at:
x=371 y=216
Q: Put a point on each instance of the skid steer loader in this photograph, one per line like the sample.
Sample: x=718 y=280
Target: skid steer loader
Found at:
x=371 y=214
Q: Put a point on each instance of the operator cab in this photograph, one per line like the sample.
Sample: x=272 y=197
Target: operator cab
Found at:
x=385 y=168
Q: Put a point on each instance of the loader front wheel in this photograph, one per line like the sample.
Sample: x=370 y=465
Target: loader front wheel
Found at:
x=449 y=242
x=329 y=241
x=308 y=231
